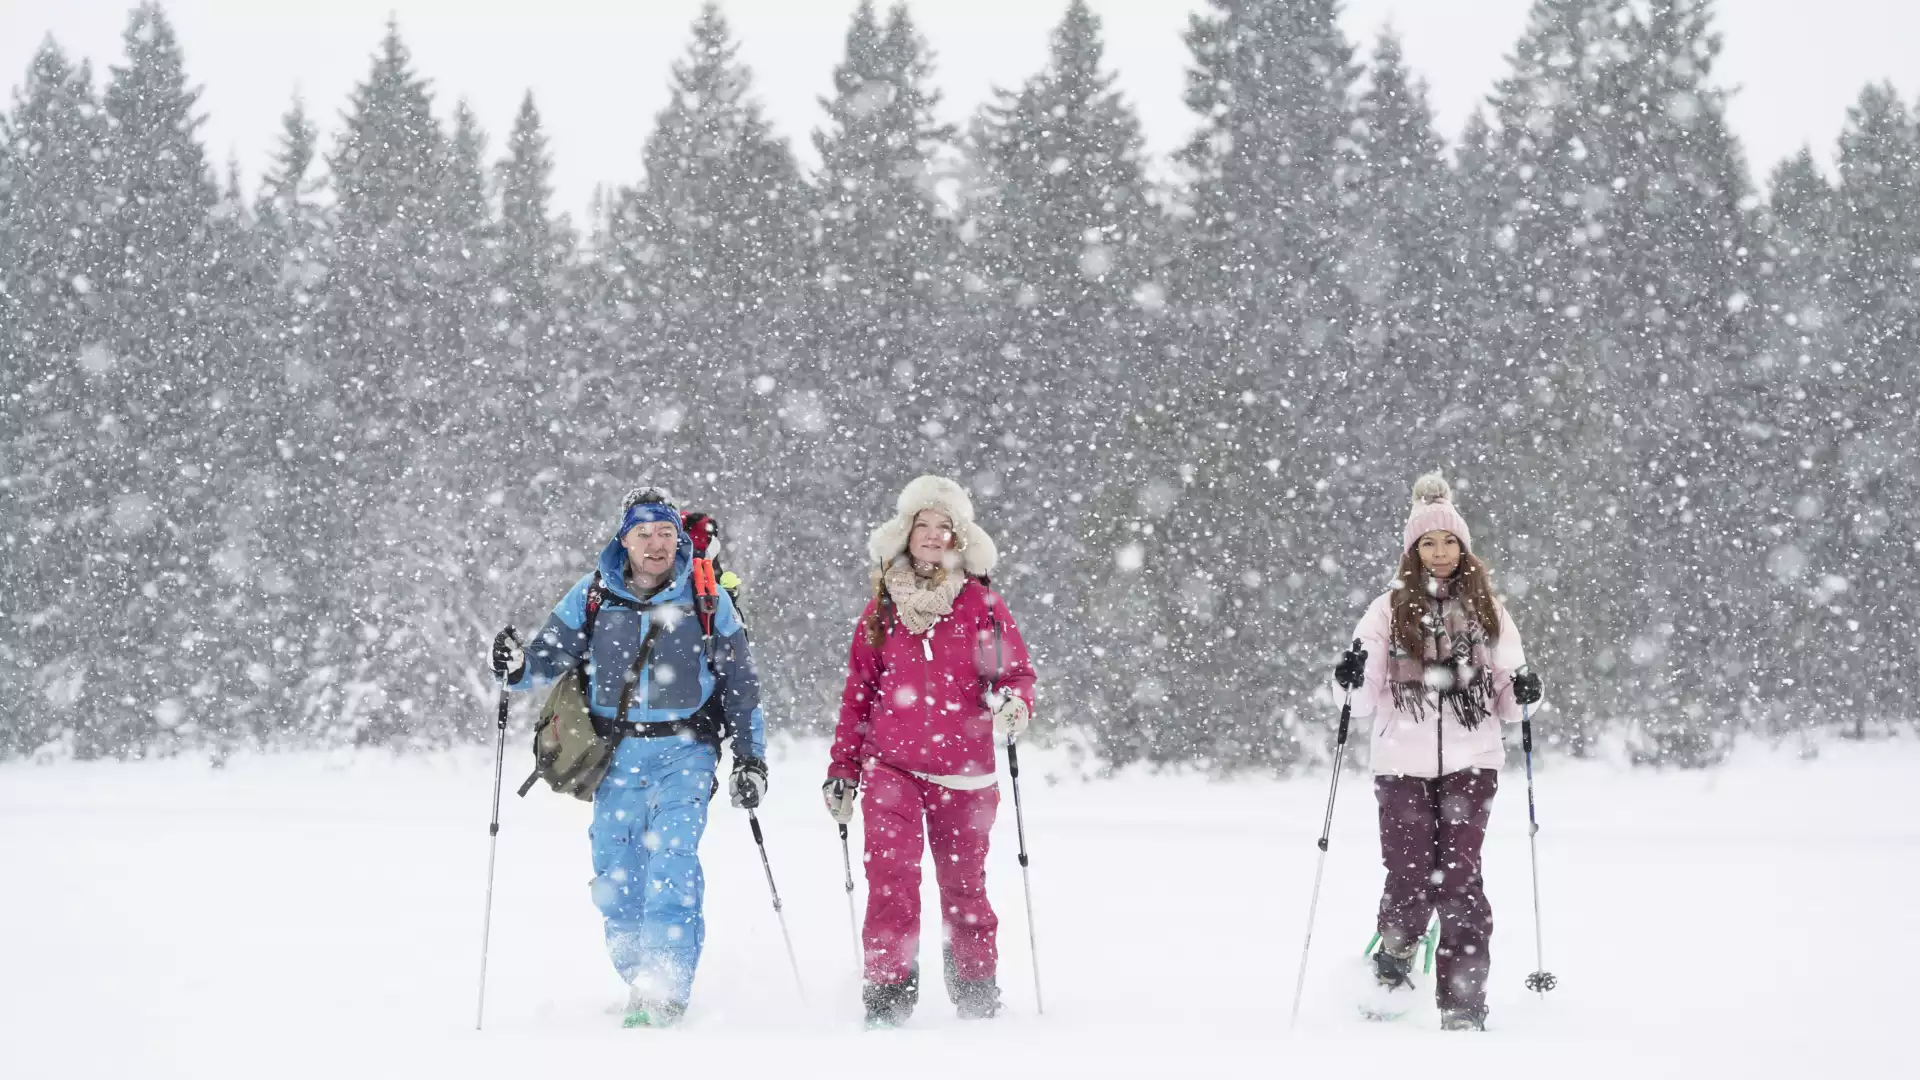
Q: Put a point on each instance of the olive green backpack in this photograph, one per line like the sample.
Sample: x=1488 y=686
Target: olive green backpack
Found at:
x=569 y=752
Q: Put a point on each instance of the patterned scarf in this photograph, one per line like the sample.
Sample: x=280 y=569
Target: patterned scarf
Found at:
x=1455 y=672
x=922 y=602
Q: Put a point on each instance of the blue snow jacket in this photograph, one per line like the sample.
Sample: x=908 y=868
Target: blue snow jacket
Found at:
x=678 y=679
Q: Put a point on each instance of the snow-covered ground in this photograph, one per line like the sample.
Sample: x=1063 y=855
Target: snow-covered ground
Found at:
x=319 y=915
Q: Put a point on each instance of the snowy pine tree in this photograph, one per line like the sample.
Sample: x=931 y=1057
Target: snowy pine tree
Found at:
x=1262 y=549
x=1798 y=412
x=882 y=263
x=172 y=366
x=386 y=370
x=1877 y=444
x=1403 y=266
x=52 y=371
x=1628 y=286
x=1068 y=252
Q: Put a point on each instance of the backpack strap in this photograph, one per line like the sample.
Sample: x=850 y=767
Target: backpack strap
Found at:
x=596 y=595
x=640 y=657
x=706 y=604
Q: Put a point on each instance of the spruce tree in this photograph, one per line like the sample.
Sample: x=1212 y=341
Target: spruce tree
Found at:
x=1272 y=321
x=1628 y=301
x=1800 y=409
x=1403 y=215
x=883 y=260
x=54 y=397
x=533 y=247
x=163 y=308
x=1879 y=278
x=1068 y=251
x=387 y=374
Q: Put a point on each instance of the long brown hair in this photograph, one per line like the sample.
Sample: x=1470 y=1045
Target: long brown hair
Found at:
x=875 y=624
x=1473 y=585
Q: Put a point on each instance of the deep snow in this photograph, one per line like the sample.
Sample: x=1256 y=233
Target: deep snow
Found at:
x=305 y=915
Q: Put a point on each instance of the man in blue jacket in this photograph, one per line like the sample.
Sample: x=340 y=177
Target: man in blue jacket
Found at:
x=688 y=691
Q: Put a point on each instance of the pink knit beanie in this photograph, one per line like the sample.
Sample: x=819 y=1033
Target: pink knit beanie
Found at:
x=1433 y=509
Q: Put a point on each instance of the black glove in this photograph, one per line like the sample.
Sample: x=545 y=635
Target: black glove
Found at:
x=749 y=782
x=1351 y=671
x=1526 y=688
x=509 y=655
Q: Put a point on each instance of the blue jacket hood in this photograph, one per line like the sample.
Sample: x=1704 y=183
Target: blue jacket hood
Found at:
x=613 y=571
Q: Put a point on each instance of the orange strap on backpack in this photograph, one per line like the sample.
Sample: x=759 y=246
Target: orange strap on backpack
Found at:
x=706 y=594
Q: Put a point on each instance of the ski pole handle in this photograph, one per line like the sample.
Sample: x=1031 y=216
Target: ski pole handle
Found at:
x=755 y=823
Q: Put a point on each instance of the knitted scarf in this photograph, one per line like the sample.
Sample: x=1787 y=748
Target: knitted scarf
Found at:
x=922 y=602
x=1455 y=673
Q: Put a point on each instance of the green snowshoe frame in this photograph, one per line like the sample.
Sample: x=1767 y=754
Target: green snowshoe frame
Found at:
x=1429 y=941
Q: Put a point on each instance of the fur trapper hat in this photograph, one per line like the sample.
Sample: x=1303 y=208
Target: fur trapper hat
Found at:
x=1433 y=510
x=978 y=555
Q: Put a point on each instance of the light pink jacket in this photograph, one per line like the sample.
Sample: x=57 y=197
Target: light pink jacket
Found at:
x=1406 y=746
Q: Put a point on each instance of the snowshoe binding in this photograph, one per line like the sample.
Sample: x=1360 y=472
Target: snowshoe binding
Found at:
x=648 y=1012
x=1393 y=971
x=1392 y=993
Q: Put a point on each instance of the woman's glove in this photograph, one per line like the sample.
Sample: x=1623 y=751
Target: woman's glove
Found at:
x=1010 y=716
x=1526 y=688
x=1351 y=671
x=839 y=794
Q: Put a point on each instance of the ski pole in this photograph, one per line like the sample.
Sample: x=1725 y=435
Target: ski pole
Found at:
x=1026 y=879
x=1541 y=980
x=1320 y=867
x=1019 y=817
x=778 y=913
x=493 y=848
x=853 y=917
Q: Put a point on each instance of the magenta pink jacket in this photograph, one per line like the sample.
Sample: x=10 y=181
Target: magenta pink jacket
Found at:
x=919 y=703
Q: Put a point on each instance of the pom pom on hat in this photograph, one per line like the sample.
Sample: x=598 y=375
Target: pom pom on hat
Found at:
x=1433 y=510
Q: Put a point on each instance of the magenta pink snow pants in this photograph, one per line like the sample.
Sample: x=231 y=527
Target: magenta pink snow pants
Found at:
x=900 y=810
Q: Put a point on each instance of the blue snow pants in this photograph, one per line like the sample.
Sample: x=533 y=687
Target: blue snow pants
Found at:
x=648 y=816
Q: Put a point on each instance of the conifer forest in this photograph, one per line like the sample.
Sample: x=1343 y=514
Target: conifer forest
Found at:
x=280 y=453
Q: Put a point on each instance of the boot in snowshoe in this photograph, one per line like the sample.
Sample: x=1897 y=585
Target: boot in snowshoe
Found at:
x=891 y=1004
x=1463 y=1020
x=976 y=999
x=643 y=1011
x=1392 y=970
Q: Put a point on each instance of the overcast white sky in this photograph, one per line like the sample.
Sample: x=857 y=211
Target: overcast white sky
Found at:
x=598 y=68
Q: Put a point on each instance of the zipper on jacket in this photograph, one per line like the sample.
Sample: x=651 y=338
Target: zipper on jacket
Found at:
x=1440 y=707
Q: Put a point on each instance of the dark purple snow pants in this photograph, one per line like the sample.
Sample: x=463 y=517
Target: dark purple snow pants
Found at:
x=1427 y=871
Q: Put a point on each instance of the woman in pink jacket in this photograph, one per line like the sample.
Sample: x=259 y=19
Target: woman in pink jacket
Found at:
x=1439 y=669
x=937 y=670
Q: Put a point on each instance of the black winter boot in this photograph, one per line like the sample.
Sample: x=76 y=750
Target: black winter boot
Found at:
x=1463 y=1020
x=891 y=1004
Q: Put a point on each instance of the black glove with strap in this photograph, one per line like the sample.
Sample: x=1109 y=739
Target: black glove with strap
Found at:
x=1526 y=688
x=749 y=782
x=509 y=655
x=1351 y=671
